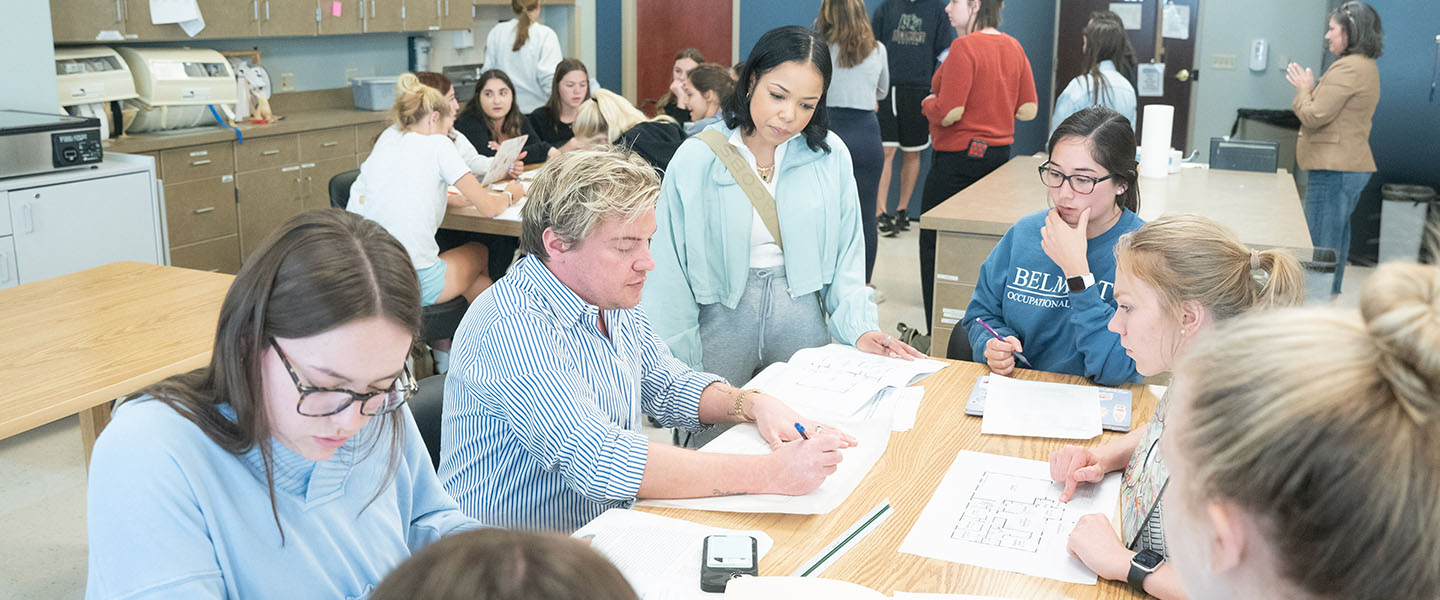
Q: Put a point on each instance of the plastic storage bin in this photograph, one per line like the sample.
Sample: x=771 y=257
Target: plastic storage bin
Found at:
x=1403 y=219
x=374 y=93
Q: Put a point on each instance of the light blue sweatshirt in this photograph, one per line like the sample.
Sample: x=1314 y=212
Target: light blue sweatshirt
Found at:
x=1021 y=292
x=702 y=242
x=172 y=515
x=1119 y=96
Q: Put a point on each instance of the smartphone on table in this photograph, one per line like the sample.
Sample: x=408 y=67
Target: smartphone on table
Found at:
x=725 y=557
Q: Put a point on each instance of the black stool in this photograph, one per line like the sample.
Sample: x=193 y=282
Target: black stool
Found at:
x=340 y=188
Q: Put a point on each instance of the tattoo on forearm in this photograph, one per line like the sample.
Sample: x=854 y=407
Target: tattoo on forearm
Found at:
x=720 y=492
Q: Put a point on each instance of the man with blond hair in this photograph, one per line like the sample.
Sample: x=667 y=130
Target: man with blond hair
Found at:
x=554 y=365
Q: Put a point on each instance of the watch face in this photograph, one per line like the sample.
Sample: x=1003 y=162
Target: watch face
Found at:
x=1148 y=559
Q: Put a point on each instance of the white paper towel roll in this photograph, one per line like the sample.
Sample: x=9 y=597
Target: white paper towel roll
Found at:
x=1155 y=141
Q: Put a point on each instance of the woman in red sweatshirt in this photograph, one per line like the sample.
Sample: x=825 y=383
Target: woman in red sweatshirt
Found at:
x=979 y=92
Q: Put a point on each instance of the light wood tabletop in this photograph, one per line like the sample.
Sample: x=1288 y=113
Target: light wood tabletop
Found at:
x=468 y=218
x=907 y=474
x=74 y=343
x=1262 y=208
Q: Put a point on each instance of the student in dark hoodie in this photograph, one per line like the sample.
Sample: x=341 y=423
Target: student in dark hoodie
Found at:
x=610 y=116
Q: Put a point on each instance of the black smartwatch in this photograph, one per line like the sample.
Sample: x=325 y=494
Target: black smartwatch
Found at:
x=1141 y=566
x=1080 y=283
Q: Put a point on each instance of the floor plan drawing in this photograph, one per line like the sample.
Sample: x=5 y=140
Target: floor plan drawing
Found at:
x=1010 y=511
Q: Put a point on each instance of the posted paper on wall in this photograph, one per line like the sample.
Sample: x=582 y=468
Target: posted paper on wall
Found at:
x=1176 y=22
x=1004 y=513
x=1150 y=80
x=1129 y=13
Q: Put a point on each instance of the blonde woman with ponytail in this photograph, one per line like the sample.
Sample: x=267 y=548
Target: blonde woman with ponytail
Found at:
x=609 y=117
x=1175 y=278
x=403 y=187
x=1305 y=450
x=527 y=51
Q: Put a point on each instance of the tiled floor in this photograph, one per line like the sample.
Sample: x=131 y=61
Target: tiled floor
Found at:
x=42 y=497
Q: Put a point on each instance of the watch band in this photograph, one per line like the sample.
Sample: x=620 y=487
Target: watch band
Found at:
x=1080 y=283
x=1142 y=565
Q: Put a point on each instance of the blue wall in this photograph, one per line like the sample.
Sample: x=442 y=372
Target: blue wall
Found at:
x=1407 y=125
x=608 y=39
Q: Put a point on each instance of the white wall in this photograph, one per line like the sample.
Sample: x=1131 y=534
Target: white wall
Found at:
x=29 y=63
x=1294 y=30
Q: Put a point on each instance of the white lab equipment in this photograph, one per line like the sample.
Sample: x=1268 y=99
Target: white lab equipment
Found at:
x=177 y=86
x=91 y=79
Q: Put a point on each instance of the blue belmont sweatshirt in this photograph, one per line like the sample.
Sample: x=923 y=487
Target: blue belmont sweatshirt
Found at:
x=1021 y=292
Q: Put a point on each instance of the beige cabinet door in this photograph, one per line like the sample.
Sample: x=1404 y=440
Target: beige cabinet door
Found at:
x=230 y=18
x=384 y=15
x=220 y=255
x=266 y=199
x=200 y=210
x=317 y=180
x=456 y=14
x=341 y=16
x=287 y=18
x=83 y=20
x=138 y=25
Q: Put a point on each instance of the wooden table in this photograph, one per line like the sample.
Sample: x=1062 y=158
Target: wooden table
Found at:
x=907 y=474
x=75 y=342
x=468 y=218
x=1264 y=209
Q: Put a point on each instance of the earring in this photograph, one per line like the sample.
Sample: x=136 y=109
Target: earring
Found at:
x=1182 y=332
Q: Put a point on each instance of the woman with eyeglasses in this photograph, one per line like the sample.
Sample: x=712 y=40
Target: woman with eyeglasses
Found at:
x=1048 y=286
x=289 y=467
x=1176 y=277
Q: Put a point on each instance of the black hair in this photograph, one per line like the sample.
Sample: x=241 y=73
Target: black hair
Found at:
x=1361 y=24
x=513 y=124
x=778 y=46
x=1112 y=144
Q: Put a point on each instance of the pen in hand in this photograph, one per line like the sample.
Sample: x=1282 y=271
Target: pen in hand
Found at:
x=1002 y=338
x=801 y=428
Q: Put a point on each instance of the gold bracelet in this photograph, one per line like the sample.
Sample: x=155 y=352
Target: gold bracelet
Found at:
x=739 y=411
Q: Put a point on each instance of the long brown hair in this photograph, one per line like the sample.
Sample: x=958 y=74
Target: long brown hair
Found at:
x=845 y=24
x=690 y=53
x=565 y=67
x=513 y=123
x=502 y=564
x=988 y=15
x=1112 y=144
x=522 y=10
x=318 y=271
x=1104 y=40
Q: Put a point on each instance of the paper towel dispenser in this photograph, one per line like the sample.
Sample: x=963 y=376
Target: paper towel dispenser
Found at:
x=177 y=86
x=92 y=74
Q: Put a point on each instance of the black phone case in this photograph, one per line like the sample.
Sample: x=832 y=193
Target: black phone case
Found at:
x=714 y=579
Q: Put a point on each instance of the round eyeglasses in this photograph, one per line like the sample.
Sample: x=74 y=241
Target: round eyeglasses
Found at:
x=1082 y=184
x=323 y=402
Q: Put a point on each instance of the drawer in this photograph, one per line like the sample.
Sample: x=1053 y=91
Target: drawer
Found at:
x=266 y=152
x=220 y=255
x=958 y=256
x=327 y=143
x=366 y=134
x=951 y=300
x=200 y=210
x=940 y=342
x=197 y=162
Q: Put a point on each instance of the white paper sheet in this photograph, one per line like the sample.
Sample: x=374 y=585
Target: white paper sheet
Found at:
x=659 y=556
x=907 y=406
x=1129 y=13
x=873 y=435
x=173 y=11
x=914 y=596
x=837 y=381
x=1176 y=22
x=1004 y=513
x=505 y=157
x=1040 y=409
x=770 y=588
x=1150 y=80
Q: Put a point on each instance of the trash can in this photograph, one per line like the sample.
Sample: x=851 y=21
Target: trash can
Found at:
x=1405 y=211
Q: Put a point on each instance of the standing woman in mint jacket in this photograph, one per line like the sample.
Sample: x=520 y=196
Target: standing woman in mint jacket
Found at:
x=288 y=467
x=1335 y=116
x=1048 y=287
x=724 y=295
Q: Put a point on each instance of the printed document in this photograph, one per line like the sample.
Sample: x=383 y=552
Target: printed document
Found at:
x=838 y=381
x=1040 y=409
x=659 y=556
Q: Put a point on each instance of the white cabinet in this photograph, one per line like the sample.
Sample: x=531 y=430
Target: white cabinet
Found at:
x=65 y=222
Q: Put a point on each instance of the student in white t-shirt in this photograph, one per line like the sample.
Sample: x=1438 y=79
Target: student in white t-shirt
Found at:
x=479 y=163
x=402 y=186
x=527 y=51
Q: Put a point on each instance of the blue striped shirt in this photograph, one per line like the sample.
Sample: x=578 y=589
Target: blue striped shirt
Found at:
x=542 y=410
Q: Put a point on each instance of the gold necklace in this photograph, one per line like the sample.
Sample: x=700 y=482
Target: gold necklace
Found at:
x=765 y=172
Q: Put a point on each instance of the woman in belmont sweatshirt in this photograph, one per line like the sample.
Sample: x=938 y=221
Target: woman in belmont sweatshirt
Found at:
x=288 y=467
x=1048 y=286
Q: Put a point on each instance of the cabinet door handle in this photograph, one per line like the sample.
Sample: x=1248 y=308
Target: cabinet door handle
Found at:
x=270 y=152
x=267 y=10
x=201 y=211
x=255 y=10
x=4 y=268
x=27 y=217
x=329 y=144
x=118 y=15
x=196 y=163
x=447 y=8
x=372 y=9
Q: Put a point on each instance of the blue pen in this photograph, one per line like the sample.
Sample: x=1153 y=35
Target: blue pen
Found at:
x=1002 y=338
x=801 y=428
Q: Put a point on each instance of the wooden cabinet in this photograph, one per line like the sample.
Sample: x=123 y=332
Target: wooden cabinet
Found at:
x=267 y=152
x=384 y=15
x=69 y=227
x=200 y=210
x=265 y=199
x=327 y=143
x=230 y=18
x=139 y=27
x=197 y=162
x=287 y=17
x=317 y=180
x=84 y=20
x=349 y=20
x=434 y=15
x=221 y=255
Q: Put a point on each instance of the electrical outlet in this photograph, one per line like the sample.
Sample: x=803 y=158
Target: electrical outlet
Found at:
x=1222 y=61
x=287 y=82
x=351 y=73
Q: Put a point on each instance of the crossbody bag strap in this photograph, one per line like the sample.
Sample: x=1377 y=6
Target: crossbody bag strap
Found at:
x=760 y=197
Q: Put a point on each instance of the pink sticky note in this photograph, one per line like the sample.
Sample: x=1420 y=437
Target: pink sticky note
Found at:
x=335 y=8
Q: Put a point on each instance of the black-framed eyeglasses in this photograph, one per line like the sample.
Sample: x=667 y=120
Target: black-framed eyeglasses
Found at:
x=1082 y=184
x=323 y=402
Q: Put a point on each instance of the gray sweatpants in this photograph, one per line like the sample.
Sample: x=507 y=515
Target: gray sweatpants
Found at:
x=766 y=326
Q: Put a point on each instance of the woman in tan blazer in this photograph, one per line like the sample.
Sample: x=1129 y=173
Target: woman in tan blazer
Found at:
x=1335 y=116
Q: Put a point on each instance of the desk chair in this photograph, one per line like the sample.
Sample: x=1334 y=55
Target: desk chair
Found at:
x=958 y=347
x=340 y=188
x=426 y=406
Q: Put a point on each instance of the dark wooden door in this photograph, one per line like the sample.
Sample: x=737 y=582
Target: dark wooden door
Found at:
x=663 y=27
x=1178 y=56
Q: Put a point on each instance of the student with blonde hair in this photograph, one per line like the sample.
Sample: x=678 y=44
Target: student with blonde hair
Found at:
x=403 y=187
x=1175 y=278
x=611 y=117
x=501 y=564
x=526 y=50
x=1304 y=450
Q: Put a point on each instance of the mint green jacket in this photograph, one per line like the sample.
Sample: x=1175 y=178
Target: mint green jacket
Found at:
x=702 y=242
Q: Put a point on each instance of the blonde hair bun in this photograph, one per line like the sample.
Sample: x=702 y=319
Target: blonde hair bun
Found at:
x=1401 y=308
